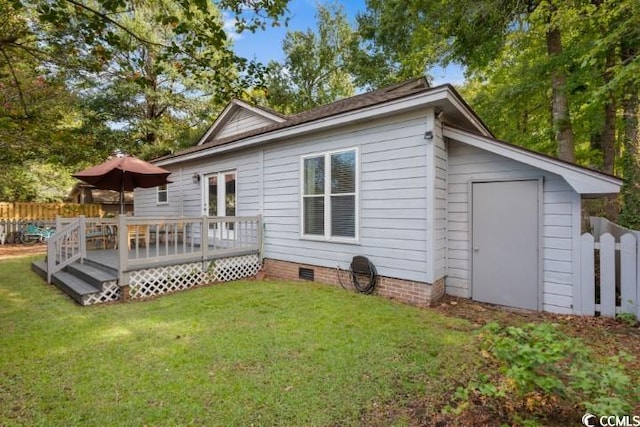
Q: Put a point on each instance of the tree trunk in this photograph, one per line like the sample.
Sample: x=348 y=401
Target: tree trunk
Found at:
x=608 y=138
x=630 y=107
x=560 y=102
x=630 y=212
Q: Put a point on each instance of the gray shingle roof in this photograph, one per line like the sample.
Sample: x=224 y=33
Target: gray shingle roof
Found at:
x=357 y=102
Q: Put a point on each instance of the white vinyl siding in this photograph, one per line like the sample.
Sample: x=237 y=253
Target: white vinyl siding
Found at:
x=391 y=196
x=242 y=121
x=163 y=195
x=186 y=198
x=468 y=164
x=440 y=208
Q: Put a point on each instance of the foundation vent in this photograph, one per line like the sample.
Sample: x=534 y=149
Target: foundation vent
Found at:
x=305 y=273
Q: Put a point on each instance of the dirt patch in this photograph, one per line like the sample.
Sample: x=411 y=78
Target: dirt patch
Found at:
x=20 y=250
x=606 y=335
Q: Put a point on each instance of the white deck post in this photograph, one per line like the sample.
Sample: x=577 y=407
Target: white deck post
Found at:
x=204 y=238
x=259 y=236
x=82 y=238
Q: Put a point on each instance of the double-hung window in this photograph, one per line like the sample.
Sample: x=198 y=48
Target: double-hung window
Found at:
x=163 y=194
x=330 y=195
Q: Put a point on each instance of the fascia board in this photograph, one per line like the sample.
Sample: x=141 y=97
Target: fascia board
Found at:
x=582 y=180
x=392 y=107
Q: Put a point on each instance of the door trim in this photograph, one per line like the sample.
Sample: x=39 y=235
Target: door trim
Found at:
x=205 y=190
x=540 y=180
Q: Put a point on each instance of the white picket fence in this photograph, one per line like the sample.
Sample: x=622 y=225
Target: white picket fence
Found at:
x=610 y=275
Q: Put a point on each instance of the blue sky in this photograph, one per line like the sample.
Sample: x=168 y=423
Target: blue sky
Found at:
x=267 y=45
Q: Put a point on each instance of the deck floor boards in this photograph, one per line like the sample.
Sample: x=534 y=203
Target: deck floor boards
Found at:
x=110 y=257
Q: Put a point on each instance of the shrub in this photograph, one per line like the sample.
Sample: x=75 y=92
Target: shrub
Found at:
x=537 y=370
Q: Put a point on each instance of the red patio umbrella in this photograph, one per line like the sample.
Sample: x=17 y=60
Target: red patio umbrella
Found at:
x=124 y=174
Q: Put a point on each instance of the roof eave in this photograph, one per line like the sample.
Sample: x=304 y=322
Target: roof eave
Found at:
x=586 y=182
x=424 y=99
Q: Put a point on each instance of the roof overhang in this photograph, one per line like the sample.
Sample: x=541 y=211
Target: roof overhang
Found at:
x=586 y=182
x=442 y=98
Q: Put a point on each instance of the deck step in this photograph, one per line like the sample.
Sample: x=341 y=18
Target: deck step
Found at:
x=40 y=268
x=92 y=274
x=74 y=286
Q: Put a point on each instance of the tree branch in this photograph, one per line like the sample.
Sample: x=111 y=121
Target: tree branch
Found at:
x=15 y=80
x=116 y=23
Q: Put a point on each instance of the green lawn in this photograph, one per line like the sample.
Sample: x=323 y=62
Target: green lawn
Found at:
x=243 y=353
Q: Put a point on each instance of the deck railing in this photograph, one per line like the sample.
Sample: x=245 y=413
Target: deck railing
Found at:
x=148 y=242
x=65 y=246
x=162 y=240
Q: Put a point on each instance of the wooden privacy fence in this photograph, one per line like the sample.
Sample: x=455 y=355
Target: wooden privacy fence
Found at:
x=610 y=276
x=47 y=211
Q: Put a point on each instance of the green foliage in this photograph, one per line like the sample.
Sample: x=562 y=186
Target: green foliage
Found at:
x=630 y=213
x=539 y=368
x=315 y=68
x=80 y=79
x=33 y=181
x=17 y=185
x=628 y=319
x=510 y=67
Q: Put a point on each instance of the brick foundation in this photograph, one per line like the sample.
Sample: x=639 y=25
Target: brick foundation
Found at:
x=416 y=293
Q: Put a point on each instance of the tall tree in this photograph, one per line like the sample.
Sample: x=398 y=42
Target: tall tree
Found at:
x=314 y=71
x=152 y=67
x=78 y=78
x=557 y=76
x=560 y=115
x=473 y=34
x=630 y=214
x=150 y=90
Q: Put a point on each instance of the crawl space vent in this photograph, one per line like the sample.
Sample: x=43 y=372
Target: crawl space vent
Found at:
x=305 y=273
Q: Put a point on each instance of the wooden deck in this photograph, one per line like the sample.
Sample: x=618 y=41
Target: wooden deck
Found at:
x=155 y=256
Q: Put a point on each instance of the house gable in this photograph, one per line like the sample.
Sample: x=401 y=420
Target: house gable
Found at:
x=367 y=107
x=239 y=117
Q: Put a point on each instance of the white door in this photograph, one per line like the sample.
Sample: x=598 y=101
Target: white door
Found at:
x=505 y=243
x=220 y=201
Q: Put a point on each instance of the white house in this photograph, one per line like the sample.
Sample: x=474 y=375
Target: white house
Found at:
x=407 y=176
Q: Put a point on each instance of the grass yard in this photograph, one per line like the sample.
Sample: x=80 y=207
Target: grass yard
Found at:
x=244 y=353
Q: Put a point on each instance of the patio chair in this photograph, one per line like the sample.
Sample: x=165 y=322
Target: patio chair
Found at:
x=111 y=236
x=97 y=237
x=139 y=233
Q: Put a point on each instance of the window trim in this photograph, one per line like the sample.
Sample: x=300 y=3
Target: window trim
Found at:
x=327 y=197
x=165 y=191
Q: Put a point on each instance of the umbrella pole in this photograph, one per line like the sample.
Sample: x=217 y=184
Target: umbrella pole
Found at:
x=122 y=197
